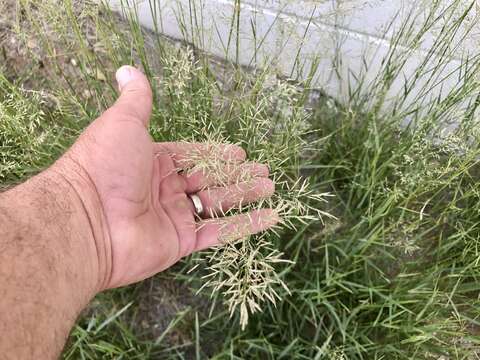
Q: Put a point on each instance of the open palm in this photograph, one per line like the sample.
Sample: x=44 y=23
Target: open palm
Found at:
x=148 y=220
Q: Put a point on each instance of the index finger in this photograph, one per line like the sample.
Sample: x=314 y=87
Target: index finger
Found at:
x=187 y=154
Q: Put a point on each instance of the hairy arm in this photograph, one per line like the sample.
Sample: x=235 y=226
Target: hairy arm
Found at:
x=48 y=266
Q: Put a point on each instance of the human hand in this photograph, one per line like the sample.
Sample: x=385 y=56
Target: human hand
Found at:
x=137 y=202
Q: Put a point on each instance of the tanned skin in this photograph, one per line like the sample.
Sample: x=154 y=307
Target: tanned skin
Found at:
x=111 y=211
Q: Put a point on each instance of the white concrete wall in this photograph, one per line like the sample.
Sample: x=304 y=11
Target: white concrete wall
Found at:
x=343 y=34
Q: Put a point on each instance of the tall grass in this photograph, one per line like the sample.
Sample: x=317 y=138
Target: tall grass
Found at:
x=394 y=277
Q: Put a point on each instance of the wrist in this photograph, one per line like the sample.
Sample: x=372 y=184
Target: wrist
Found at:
x=60 y=208
x=89 y=219
x=49 y=263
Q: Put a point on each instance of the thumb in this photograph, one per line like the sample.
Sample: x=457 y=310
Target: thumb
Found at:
x=135 y=99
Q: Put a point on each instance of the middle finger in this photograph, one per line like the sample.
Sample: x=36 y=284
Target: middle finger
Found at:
x=226 y=174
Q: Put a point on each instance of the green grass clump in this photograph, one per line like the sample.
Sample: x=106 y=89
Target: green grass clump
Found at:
x=27 y=136
x=394 y=275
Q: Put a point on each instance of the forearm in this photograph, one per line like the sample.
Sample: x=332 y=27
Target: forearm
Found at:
x=48 y=266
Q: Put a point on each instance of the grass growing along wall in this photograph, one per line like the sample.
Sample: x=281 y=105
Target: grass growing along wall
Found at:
x=395 y=277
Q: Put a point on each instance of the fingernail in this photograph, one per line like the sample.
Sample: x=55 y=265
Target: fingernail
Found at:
x=124 y=75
